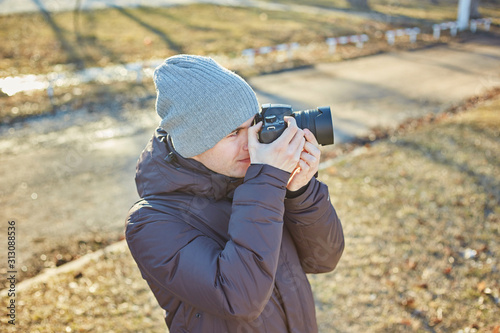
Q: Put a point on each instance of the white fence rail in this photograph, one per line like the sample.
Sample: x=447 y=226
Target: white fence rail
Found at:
x=359 y=40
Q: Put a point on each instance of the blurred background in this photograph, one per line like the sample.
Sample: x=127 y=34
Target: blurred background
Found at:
x=77 y=108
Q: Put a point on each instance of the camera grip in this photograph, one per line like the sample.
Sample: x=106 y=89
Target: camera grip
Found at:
x=269 y=133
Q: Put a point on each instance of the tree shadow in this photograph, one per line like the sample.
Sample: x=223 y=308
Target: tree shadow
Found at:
x=485 y=41
x=440 y=63
x=400 y=19
x=488 y=183
x=169 y=42
x=397 y=19
x=87 y=40
x=73 y=56
x=163 y=14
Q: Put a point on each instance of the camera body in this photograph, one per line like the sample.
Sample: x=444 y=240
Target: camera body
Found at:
x=318 y=121
x=273 y=121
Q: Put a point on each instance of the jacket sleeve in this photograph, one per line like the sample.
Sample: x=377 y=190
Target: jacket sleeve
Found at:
x=234 y=280
x=315 y=228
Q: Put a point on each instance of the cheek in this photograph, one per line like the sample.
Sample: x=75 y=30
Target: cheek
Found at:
x=233 y=150
x=226 y=154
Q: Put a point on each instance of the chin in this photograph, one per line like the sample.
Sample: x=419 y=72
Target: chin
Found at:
x=240 y=172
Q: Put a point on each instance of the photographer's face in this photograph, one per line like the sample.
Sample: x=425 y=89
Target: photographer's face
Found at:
x=230 y=155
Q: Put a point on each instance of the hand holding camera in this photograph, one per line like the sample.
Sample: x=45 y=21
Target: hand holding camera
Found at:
x=308 y=164
x=284 y=153
x=288 y=140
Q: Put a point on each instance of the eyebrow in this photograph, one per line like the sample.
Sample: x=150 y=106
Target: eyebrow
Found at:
x=237 y=129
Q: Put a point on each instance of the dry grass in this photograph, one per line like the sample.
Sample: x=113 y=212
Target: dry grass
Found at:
x=421 y=217
x=442 y=10
x=107 y=296
x=422 y=221
x=424 y=11
x=35 y=43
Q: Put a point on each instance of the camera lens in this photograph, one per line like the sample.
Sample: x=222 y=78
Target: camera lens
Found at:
x=318 y=121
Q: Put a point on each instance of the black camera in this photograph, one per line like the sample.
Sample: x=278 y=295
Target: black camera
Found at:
x=318 y=121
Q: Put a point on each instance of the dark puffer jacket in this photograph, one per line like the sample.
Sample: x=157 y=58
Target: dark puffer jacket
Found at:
x=229 y=255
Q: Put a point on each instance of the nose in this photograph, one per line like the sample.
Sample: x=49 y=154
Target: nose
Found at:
x=245 y=140
x=245 y=145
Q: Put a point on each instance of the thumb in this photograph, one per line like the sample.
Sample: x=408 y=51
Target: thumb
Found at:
x=252 y=133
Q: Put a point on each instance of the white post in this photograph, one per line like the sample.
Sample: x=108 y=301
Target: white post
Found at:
x=413 y=35
x=139 y=74
x=463 y=14
x=436 y=31
x=343 y=40
x=473 y=25
x=453 y=29
x=282 y=47
x=292 y=47
x=391 y=37
x=487 y=23
x=265 y=50
x=357 y=40
x=250 y=54
x=332 y=45
x=50 y=93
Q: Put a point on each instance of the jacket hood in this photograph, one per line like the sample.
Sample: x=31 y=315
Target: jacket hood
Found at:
x=160 y=170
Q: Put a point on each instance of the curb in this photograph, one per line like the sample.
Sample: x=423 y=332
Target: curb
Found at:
x=68 y=267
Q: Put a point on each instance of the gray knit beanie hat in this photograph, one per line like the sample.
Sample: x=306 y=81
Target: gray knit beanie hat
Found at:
x=200 y=102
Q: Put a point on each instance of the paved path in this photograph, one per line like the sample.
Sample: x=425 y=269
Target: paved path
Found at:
x=69 y=178
x=21 y=6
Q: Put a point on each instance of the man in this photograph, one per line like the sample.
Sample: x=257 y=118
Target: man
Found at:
x=227 y=227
